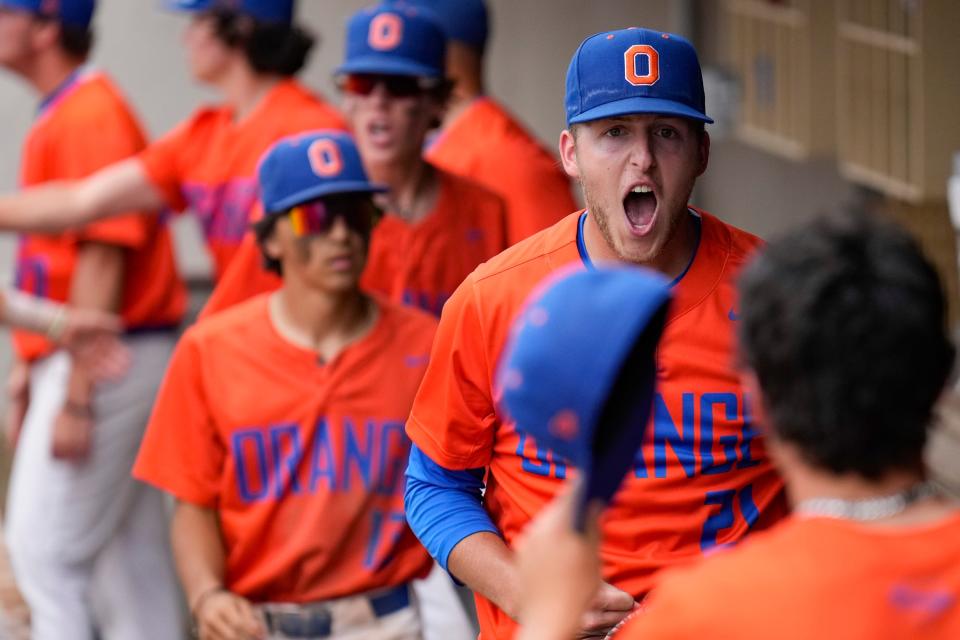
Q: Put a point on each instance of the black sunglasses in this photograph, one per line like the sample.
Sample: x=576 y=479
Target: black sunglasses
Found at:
x=397 y=86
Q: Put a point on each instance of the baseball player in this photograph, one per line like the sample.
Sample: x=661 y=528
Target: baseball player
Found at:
x=438 y=226
x=90 y=336
x=248 y=51
x=636 y=143
x=481 y=140
x=279 y=426
x=871 y=550
x=73 y=512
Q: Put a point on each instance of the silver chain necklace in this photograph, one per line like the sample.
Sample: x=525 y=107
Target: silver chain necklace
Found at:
x=865 y=510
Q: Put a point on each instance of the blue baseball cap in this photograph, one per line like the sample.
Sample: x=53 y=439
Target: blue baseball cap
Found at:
x=394 y=39
x=465 y=21
x=579 y=369
x=618 y=73
x=279 y=11
x=75 y=13
x=309 y=166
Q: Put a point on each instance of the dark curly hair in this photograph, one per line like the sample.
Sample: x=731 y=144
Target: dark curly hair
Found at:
x=76 y=41
x=843 y=322
x=276 y=48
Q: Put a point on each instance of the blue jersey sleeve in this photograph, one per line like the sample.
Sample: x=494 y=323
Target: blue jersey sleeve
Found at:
x=442 y=506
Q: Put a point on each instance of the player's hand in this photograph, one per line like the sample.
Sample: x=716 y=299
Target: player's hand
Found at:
x=72 y=433
x=560 y=577
x=609 y=607
x=91 y=337
x=18 y=399
x=226 y=616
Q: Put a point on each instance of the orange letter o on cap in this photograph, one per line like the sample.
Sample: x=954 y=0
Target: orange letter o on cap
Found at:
x=325 y=158
x=386 y=31
x=653 y=66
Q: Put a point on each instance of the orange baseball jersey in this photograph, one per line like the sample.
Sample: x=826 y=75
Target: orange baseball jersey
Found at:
x=208 y=163
x=85 y=126
x=417 y=264
x=485 y=143
x=815 y=578
x=422 y=264
x=702 y=476
x=303 y=461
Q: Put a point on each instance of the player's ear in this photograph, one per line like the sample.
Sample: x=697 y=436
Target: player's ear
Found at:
x=270 y=244
x=568 y=153
x=46 y=34
x=437 y=108
x=704 y=152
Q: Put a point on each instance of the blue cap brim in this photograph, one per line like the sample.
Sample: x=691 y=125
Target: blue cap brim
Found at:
x=22 y=6
x=639 y=105
x=319 y=191
x=389 y=65
x=186 y=6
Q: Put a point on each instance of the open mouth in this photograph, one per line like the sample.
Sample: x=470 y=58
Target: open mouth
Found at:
x=380 y=133
x=640 y=205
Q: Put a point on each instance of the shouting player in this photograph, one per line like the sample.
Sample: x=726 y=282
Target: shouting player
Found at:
x=248 y=51
x=843 y=338
x=636 y=142
x=438 y=226
x=279 y=426
x=481 y=140
x=85 y=538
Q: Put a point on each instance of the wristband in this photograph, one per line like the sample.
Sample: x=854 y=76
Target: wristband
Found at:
x=57 y=325
x=39 y=315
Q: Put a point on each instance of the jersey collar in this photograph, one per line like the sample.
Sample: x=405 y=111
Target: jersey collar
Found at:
x=701 y=275
x=588 y=263
x=65 y=88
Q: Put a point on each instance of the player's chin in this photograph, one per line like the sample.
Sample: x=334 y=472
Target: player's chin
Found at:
x=638 y=250
x=341 y=282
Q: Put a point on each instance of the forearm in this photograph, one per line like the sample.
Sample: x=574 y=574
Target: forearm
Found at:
x=97 y=283
x=198 y=550
x=485 y=564
x=444 y=506
x=445 y=510
x=56 y=206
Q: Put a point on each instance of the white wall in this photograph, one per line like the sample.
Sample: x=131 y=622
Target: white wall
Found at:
x=139 y=43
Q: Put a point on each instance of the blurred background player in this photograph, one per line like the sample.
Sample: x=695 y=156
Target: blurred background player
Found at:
x=844 y=346
x=249 y=52
x=481 y=140
x=91 y=338
x=438 y=226
x=83 y=535
x=279 y=427
x=636 y=143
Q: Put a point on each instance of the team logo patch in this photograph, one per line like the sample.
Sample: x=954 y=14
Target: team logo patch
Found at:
x=565 y=425
x=632 y=59
x=325 y=159
x=386 y=32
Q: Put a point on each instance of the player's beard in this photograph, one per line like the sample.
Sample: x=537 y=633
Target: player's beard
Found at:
x=653 y=256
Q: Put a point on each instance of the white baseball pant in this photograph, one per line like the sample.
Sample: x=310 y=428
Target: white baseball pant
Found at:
x=89 y=545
